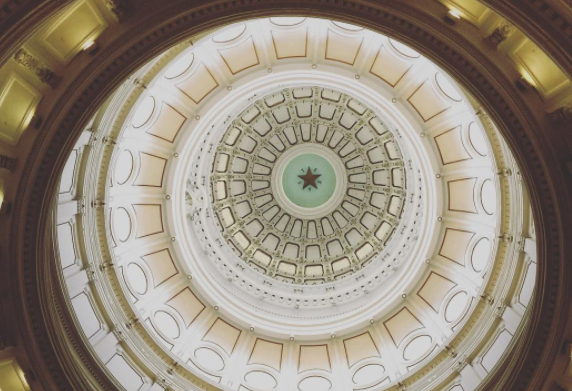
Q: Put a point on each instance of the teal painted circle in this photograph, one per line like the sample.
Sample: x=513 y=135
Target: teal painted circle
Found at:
x=293 y=185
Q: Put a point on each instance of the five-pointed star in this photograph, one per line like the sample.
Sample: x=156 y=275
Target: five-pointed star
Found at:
x=309 y=178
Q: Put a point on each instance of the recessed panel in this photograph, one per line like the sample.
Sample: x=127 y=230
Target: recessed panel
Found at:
x=401 y=325
x=314 y=357
x=223 y=334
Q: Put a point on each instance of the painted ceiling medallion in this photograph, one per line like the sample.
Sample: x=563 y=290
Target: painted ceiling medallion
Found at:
x=295 y=174
x=309 y=178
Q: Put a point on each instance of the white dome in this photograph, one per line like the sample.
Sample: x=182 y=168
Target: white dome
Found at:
x=294 y=203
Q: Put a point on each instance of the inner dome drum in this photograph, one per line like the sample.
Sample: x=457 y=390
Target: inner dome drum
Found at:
x=308 y=185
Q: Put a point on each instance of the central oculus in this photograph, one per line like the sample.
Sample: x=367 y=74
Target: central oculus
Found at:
x=308 y=180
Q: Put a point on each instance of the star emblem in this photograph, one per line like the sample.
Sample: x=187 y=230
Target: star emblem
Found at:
x=309 y=179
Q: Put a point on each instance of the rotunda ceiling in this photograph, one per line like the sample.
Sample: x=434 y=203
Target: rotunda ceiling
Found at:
x=294 y=203
x=308 y=185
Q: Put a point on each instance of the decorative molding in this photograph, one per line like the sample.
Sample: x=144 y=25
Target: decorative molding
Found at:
x=500 y=34
x=9 y=163
x=42 y=72
x=561 y=115
x=122 y=9
x=519 y=128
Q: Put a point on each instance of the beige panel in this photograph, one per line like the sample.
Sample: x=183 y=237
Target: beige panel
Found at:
x=314 y=357
x=168 y=123
x=68 y=35
x=240 y=57
x=341 y=48
x=388 y=67
x=455 y=243
x=267 y=353
x=545 y=74
x=151 y=171
x=291 y=43
x=427 y=102
x=223 y=335
x=401 y=325
x=451 y=147
x=18 y=101
x=359 y=348
x=462 y=195
x=187 y=305
x=161 y=265
x=434 y=290
x=199 y=84
x=149 y=219
x=12 y=377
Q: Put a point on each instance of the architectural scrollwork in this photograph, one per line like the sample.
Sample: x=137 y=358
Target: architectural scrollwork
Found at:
x=7 y=162
x=561 y=115
x=122 y=9
x=41 y=70
x=500 y=34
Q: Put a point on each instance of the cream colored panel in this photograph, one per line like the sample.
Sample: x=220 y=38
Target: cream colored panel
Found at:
x=462 y=195
x=528 y=285
x=161 y=265
x=359 y=348
x=86 y=314
x=342 y=48
x=455 y=245
x=314 y=357
x=401 y=325
x=151 y=170
x=199 y=84
x=149 y=220
x=187 y=305
x=68 y=35
x=18 y=101
x=66 y=245
x=434 y=290
x=12 y=377
x=451 y=147
x=427 y=102
x=168 y=123
x=495 y=352
x=240 y=57
x=124 y=373
x=223 y=335
x=267 y=353
x=67 y=178
x=388 y=67
x=291 y=43
x=545 y=74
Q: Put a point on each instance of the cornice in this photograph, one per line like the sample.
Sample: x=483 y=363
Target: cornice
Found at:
x=535 y=148
x=546 y=22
